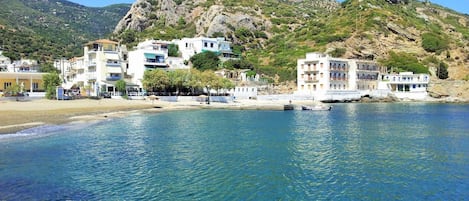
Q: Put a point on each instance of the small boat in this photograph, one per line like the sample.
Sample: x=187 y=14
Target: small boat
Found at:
x=316 y=107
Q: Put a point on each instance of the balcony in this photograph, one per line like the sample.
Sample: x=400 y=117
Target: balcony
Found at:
x=311 y=80
x=113 y=63
x=340 y=79
x=339 y=69
x=310 y=71
x=114 y=78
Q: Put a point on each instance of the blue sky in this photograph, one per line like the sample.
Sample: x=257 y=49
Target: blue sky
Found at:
x=458 y=5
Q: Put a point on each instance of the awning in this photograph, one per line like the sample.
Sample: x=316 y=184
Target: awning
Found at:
x=150 y=55
x=112 y=56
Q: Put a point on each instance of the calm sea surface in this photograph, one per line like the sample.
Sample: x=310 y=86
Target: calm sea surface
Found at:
x=354 y=152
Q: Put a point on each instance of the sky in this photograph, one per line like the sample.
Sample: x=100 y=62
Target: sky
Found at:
x=458 y=5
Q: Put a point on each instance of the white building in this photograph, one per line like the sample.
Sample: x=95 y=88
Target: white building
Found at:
x=326 y=78
x=192 y=46
x=332 y=79
x=102 y=66
x=151 y=55
x=4 y=62
x=406 y=85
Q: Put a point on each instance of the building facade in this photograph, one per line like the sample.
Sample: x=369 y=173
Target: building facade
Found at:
x=406 y=85
x=189 y=47
x=326 y=78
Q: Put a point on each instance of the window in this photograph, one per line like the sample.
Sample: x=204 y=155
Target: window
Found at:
x=211 y=45
x=6 y=85
x=205 y=44
x=35 y=85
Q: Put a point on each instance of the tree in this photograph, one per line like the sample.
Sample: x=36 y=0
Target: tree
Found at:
x=155 y=80
x=51 y=82
x=442 y=71
x=205 y=61
x=121 y=86
x=177 y=79
x=48 y=68
x=173 y=50
x=13 y=90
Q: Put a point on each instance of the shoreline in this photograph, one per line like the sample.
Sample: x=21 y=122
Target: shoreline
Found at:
x=18 y=116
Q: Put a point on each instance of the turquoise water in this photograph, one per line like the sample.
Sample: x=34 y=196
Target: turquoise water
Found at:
x=354 y=152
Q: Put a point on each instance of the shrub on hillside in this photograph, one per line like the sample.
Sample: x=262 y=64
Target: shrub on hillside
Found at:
x=434 y=43
x=338 y=52
x=401 y=61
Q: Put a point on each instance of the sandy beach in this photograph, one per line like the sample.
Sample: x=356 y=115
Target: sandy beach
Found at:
x=19 y=115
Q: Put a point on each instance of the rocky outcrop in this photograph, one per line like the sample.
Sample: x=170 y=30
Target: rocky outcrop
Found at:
x=216 y=18
x=400 y=31
x=449 y=90
x=136 y=18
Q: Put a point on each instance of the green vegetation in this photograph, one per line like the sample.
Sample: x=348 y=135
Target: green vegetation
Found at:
x=121 y=86
x=173 y=50
x=403 y=62
x=51 y=82
x=45 y=30
x=442 y=71
x=338 y=52
x=205 y=61
x=238 y=64
x=434 y=42
x=180 y=80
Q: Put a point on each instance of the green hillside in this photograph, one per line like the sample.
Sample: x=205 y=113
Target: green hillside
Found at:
x=366 y=29
x=45 y=30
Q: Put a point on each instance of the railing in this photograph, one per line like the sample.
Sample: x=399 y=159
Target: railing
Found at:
x=338 y=79
x=339 y=69
x=314 y=70
x=115 y=64
x=311 y=80
x=113 y=78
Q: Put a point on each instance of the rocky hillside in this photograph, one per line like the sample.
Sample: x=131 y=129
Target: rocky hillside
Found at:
x=48 y=29
x=273 y=34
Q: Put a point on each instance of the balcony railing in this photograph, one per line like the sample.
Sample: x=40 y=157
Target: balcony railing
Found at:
x=338 y=79
x=309 y=71
x=113 y=78
x=311 y=80
x=339 y=69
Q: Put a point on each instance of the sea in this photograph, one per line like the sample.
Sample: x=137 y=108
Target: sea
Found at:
x=377 y=151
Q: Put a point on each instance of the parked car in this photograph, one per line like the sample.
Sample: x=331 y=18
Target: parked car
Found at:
x=106 y=95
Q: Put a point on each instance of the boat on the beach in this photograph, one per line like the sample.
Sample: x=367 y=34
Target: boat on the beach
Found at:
x=316 y=107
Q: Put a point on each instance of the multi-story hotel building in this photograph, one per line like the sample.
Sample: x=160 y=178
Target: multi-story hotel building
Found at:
x=326 y=78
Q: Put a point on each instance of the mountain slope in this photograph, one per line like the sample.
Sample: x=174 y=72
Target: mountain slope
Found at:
x=274 y=34
x=48 y=29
